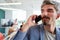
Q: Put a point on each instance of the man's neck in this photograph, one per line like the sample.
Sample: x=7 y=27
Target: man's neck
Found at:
x=50 y=29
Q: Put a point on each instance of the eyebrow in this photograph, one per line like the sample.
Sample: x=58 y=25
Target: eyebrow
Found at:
x=49 y=9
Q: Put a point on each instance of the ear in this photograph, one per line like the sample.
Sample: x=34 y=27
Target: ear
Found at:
x=58 y=15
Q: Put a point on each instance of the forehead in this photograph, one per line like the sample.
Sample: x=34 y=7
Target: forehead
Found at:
x=48 y=7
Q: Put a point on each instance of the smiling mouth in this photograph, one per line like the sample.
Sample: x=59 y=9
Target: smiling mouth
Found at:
x=46 y=17
x=45 y=20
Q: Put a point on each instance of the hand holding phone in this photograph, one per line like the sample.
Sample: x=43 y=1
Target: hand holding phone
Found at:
x=38 y=18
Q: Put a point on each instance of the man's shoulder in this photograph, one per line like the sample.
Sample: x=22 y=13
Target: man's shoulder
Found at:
x=58 y=28
x=37 y=27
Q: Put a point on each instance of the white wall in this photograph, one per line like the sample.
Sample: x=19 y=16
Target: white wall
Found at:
x=8 y=14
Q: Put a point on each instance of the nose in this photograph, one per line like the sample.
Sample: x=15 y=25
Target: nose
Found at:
x=44 y=14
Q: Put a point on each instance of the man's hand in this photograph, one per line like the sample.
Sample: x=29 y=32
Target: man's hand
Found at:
x=29 y=23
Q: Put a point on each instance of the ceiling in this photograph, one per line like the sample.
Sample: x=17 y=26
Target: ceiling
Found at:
x=16 y=1
x=23 y=4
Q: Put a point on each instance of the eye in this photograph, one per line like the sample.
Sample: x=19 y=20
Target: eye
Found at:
x=50 y=10
x=42 y=10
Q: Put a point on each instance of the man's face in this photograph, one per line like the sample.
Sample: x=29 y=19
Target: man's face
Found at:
x=48 y=14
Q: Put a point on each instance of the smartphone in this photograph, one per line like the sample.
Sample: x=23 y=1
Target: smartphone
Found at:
x=38 y=18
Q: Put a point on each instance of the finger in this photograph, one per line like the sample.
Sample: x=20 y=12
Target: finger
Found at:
x=33 y=17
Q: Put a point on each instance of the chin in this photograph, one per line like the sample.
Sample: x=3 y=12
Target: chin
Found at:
x=46 y=23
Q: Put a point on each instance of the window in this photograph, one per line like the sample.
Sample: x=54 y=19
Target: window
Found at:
x=20 y=15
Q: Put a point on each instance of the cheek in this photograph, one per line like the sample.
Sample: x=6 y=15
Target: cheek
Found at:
x=53 y=15
x=41 y=15
x=50 y=14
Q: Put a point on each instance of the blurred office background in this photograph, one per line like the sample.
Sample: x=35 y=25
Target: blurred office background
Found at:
x=20 y=10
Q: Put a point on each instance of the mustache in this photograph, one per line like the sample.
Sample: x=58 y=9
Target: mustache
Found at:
x=45 y=17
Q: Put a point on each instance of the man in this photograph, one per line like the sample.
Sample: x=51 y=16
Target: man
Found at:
x=45 y=31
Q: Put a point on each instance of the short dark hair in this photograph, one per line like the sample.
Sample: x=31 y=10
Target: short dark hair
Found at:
x=50 y=3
